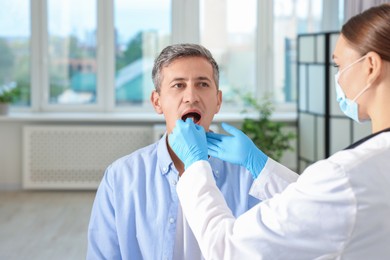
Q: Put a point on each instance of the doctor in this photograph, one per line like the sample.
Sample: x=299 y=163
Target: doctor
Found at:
x=339 y=208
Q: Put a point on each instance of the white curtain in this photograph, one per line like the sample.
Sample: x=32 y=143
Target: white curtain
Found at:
x=354 y=7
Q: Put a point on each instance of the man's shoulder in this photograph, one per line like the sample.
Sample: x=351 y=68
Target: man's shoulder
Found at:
x=142 y=155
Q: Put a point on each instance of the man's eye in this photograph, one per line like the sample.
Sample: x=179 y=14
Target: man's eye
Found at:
x=178 y=85
x=203 y=84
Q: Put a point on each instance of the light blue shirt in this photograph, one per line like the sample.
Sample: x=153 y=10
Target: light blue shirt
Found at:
x=135 y=211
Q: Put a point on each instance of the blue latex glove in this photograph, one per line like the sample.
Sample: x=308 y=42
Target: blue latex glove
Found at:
x=189 y=142
x=237 y=148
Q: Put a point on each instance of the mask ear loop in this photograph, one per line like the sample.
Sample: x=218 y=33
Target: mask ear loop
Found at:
x=350 y=65
x=353 y=63
x=361 y=93
x=363 y=90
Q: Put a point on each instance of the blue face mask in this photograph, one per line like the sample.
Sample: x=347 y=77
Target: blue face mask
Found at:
x=349 y=107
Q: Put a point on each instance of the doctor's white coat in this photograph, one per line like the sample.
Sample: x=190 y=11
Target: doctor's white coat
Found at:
x=339 y=208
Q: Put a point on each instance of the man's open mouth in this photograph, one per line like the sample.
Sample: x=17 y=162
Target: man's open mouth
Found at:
x=194 y=115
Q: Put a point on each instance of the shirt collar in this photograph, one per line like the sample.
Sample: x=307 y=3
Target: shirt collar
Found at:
x=165 y=161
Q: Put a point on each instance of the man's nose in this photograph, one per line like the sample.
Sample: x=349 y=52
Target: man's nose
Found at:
x=191 y=95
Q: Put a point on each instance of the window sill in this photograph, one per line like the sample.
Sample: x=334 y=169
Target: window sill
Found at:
x=290 y=117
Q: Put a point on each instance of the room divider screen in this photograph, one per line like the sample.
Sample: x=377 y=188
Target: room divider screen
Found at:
x=322 y=127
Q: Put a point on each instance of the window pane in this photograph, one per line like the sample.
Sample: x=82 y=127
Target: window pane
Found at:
x=228 y=30
x=15 y=47
x=142 y=29
x=291 y=17
x=72 y=51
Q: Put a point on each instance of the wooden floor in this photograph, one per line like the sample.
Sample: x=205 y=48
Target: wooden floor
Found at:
x=44 y=224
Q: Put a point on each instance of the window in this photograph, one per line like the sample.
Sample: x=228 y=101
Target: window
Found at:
x=93 y=55
x=72 y=66
x=15 y=47
x=142 y=30
x=291 y=17
x=228 y=30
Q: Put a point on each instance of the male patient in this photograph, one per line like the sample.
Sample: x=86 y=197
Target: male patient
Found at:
x=136 y=213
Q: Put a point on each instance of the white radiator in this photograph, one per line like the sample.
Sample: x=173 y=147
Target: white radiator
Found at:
x=69 y=157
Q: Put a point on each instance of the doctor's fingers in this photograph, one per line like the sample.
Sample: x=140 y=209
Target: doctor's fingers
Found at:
x=214 y=152
x=180 y=124
x=213 y=143
x=214 y=136
x=216 y=148
x=231 y=129
x=199 y=128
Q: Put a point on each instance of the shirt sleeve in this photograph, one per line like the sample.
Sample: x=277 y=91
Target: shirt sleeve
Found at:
x=299 y=223
x=102 y=236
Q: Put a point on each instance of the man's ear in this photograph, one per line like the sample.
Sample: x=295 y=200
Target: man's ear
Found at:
x=219 y=101
x=155 y=99
x=375 y=63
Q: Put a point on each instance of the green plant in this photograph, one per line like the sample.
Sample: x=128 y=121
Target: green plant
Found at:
x=9 y=92
x=269 y=136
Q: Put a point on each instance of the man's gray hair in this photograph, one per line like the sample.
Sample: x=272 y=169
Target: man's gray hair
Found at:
x=176 y=51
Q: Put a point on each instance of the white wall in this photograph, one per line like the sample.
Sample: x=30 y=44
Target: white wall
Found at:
x=10 y=155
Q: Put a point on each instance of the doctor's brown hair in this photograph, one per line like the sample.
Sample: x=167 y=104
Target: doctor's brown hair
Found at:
x=370 y=31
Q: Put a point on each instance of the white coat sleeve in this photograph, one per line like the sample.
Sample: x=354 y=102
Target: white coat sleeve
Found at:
x=273 y=179
x=310 y=219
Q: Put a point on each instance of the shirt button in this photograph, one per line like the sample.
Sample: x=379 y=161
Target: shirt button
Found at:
x=173 y=182
x=171 y=220
x=164 y=169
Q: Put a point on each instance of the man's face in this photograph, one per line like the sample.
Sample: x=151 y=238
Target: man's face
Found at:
x=187 y=90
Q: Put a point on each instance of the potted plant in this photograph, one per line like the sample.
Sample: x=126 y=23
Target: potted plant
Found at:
x=269 y=136
x=8 y=93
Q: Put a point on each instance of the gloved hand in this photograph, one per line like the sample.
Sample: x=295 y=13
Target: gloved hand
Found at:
x=189 y=142
x=237 y=148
